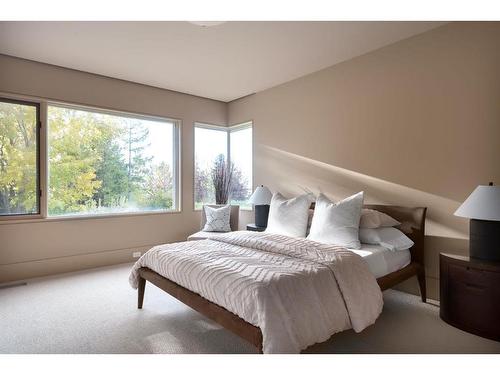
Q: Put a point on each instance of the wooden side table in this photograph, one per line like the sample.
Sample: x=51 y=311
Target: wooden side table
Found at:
x=470 y=294
x=255 y=228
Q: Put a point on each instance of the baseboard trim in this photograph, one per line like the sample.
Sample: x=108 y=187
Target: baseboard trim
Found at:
x=14 y=284
x=45 y=267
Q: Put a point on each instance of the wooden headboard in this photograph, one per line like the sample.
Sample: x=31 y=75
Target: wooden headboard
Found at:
x=412 y=221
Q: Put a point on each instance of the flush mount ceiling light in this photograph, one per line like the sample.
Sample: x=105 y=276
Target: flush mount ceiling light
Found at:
x=207 y=23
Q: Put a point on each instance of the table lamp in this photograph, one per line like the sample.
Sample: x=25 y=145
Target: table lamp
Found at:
x=482 y=207
x=261 y=198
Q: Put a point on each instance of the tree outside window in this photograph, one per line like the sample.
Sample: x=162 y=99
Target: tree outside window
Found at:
x=103 y=163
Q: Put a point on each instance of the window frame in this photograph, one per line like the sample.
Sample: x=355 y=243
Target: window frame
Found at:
x=38 y=190
x=125 y=114
x=43 y=162
x=228 y=129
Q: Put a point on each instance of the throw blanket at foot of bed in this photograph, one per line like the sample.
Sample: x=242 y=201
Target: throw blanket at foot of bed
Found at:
x=298 y=292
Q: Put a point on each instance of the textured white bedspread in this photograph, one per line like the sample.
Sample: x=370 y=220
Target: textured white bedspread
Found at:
x=298 y=292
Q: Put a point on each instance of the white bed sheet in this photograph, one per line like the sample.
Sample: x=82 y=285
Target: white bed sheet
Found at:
x=383 y=261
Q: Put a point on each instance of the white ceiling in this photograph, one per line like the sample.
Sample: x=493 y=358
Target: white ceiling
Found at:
x=222 y=62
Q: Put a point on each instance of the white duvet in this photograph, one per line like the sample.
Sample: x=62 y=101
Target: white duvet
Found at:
x=298 y=292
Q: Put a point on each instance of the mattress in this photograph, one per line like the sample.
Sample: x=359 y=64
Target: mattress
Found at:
x=382 y=261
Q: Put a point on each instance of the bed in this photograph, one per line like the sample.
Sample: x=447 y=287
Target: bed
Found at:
x=388 y=269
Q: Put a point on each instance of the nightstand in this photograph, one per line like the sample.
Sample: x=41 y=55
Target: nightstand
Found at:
x=470 y=294
x=255 y=228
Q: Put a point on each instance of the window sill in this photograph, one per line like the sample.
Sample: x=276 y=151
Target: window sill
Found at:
x=40 y=219
x=241 y=209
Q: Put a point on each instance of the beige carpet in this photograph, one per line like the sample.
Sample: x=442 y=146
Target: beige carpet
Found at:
x=95 y=312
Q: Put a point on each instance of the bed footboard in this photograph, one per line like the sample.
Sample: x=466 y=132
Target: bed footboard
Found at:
x=209 y=309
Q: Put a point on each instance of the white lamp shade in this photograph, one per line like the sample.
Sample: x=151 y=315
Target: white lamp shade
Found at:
x=482 y=204
x=261 y=195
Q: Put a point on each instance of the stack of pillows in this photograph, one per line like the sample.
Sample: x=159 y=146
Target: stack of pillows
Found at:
x=345 y=223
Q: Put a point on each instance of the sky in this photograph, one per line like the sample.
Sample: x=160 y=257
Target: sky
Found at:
x=241 y=152
x=208 y=144
x=160 y=139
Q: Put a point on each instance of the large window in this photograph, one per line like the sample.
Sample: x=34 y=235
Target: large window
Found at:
x=103 y=162
x=19 y=158
x=231 y=146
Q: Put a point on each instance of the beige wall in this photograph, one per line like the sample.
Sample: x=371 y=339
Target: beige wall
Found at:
x=34 y=249
x=416 y=123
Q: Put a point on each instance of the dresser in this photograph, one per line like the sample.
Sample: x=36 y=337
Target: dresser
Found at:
x=470 y=294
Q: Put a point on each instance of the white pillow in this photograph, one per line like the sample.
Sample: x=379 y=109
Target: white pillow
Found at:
x=388 y=237
x=217 y=219
x=376 y=219
x=289 y=216
x=337 y=223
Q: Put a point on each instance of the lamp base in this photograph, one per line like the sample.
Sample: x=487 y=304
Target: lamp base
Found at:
x=485 y=240
x=261 y=215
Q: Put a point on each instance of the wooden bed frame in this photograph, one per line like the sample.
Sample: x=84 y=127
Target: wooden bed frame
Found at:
x=412 y=224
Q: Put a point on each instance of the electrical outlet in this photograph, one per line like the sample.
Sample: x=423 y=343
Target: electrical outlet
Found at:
x=136 y=254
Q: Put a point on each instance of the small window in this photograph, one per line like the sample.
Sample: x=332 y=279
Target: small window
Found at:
x=215 y=145
x=19 y=158
x=107 y=163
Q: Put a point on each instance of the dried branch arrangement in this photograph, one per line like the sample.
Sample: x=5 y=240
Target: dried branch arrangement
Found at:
x=222 y=175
